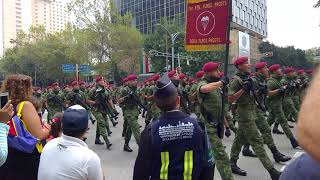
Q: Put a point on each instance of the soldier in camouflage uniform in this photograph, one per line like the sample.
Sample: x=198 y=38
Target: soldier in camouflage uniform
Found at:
x=290 y=111
x=153 y=111
x=240 y=91
x=261 y=90
x=99 y=112
x=184 y=94
x=275 y=102
x=210 y=101
x=130 y=111
x=121 y=104
x=303 y=83
x=55 y=101
x=193 y=95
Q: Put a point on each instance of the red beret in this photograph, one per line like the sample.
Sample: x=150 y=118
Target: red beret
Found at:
x=99 y=78
x=260 y=65
x=73 y=83
x=301 y=71
x=125 y=79
x=274 y=67
x=191 y=79
x=288 y=70
x=241 y=60
x=210 y=66
x=199 y=74
x=82 y=83
x=182 y=76
x=171 y=73
x=309 y=71
x=132 y=77
x=156 y=77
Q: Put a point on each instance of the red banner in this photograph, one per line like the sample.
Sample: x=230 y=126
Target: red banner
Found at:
x=206 y=25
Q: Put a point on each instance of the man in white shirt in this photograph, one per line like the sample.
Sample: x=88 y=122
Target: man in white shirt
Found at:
x=68 y=157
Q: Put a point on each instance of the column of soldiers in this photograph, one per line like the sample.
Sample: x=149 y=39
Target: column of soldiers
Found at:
x=253 y=103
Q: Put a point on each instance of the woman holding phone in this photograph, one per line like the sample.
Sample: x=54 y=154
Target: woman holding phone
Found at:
x=19 y=164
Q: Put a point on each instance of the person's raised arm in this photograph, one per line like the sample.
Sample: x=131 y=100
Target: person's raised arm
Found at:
x=33 y=122
x=308 y=121
x=211 y=87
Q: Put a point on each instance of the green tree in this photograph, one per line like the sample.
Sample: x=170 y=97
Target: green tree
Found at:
x=40 y=55
x=112 y=40
x=317 y=4
x=287 y=56
x=157 y=41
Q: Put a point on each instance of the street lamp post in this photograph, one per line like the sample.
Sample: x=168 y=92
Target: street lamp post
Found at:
x=173 y=39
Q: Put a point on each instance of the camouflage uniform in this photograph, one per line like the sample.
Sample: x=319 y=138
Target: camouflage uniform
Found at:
x=184 y=99
x=195 y=101
x=275 y=103
x=212 y=103
x=55 y=102
x=153 y=110
x=130 y=114
x=288 y=104
x=247 y=130
x=101 y=116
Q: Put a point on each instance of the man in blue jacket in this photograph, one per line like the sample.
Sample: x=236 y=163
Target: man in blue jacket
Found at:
x=175 y=146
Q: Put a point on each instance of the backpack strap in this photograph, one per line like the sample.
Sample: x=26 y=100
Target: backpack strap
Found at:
x=20 y=109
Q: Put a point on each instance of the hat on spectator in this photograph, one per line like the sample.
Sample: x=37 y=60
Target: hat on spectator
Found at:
x=288 y=70
x=241 y=60
x=75 y=119
x=210 y=66
x=274 y=67
x=171 y=73
x=99 y=78
x=164 y=88
x=260 y=65
x=199 y=74
x=132 y=77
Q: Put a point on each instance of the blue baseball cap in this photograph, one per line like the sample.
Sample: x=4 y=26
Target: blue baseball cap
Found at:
x=75 y=119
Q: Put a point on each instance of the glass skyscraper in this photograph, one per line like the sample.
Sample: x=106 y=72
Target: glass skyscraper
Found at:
x=248 y=14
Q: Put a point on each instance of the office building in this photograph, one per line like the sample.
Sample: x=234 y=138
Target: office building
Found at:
x=249 y=23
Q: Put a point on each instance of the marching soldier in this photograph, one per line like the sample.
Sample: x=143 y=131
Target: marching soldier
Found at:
x=182 y=88
x=276 y=93
x=210 y=100
x=99 y=99
x=289 y=107
x=193 y=95
x=153 y=110
x=54 y=101
x=261 y=90
x=130 y=110
x=241 y=92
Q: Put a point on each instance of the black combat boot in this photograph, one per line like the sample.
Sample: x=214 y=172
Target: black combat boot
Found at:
x=114 y=122
x=98 y=141
x=236 y=170
x=277 y=156
x=275 y=129
x=108 y=144
x=290 y=126
x=294 y=143
x=127 y=148
x=274 y=174
x=247 y=152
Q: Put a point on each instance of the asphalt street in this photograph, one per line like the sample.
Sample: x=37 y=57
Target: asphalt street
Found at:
x=118 y=165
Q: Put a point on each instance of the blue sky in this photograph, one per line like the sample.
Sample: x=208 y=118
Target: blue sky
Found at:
x=294 y=22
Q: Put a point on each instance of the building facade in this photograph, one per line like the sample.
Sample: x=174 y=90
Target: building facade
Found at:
x=20 y=15
x=249 y=17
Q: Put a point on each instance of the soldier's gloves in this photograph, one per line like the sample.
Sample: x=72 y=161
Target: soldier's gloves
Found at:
x=225 y=80
x=282 y=91
x=247 y=86
x=228 y=132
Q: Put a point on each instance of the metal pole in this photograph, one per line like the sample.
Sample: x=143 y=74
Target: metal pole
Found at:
x=172 y=49
x=167 y=63
x=77 y=71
